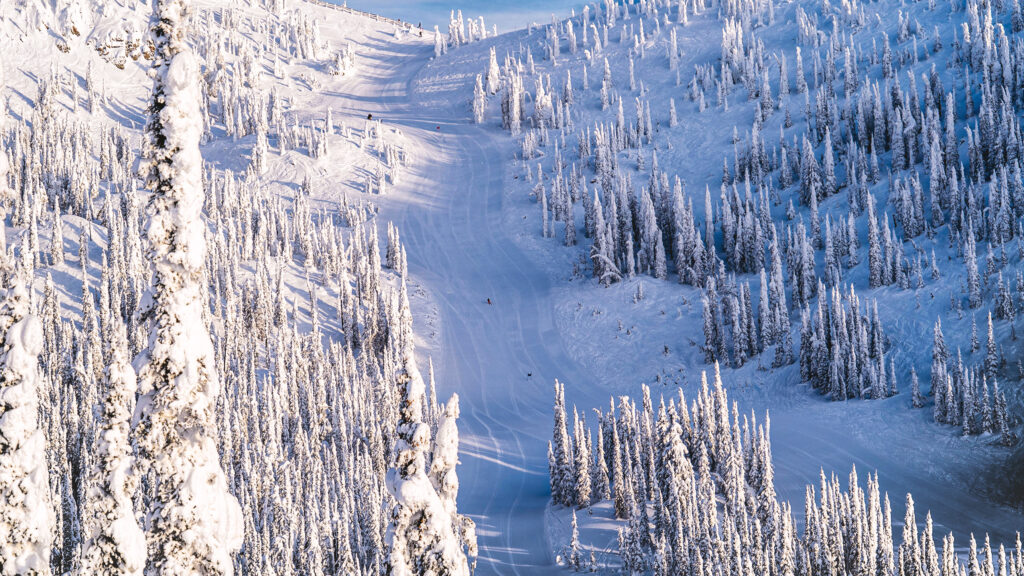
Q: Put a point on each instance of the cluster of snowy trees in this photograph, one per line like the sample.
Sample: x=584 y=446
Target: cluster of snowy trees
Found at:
x=236 y=98
x=26 y=514
x=234 y=94
x=752 y=334
x=344 y=60
x=843 y=350
x=425 y=534
x=961 y=394
x=693 y=483
x=274 y=383
x=461 y=31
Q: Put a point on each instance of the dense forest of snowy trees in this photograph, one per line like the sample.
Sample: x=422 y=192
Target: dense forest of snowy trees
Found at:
x=201 y=375
x=888 y=150
x=274 y=382
x=694 y=483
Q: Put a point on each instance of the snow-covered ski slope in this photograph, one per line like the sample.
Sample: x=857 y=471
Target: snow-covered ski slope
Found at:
x=449 y=210
x=475 y=236
x=505 y=14
x=471 y=235
x=463 y=218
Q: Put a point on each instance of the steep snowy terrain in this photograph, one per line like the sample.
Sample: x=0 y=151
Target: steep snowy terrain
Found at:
x=500 y=311
x=545 y=323
x=298 y=284
x=968 y=483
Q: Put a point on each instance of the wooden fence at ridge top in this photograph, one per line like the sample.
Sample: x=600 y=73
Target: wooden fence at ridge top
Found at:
x=370 y=15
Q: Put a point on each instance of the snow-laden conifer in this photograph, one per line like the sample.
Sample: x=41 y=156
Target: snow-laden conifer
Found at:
x=117 y=545
x=479 y=101
x=193 y=524
x=421 y=537
x=443 y=476
x=26 y=513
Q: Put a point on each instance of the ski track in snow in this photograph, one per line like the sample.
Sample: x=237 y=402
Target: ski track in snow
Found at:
x=463 y=248
x=450 y=222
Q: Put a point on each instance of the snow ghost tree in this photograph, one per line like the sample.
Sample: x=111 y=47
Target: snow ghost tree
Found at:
x=26 y=513
x=117 y=544
x=193 y=523
x=421 y=534
x=479 y=101
x=493 y=73
x=443 y=476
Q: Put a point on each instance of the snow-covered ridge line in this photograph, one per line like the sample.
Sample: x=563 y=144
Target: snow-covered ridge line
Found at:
x=369 y=15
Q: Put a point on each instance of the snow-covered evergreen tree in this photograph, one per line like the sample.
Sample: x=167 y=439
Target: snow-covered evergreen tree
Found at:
x=443 y=476
x=493 y=73
x=193 y=524
x=421 y=536
x=479 y=101
x=915 y=390
x=26 y=505
x=117 y=545
x=574 y=556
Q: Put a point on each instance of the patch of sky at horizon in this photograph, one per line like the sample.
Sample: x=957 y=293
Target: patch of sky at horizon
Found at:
x=506 y=14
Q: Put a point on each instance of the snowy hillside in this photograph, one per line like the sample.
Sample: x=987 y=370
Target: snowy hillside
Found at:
x=308 y=310
x=289 y=289
x=793 y=136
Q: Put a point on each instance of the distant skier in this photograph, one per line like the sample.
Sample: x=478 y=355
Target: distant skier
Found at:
x=488 y=301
